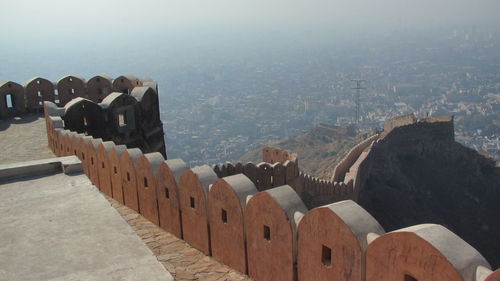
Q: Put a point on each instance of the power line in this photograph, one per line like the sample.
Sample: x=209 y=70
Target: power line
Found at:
x=358 y=89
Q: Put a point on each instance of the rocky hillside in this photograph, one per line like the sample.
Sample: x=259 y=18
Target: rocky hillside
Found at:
x=419 y=174
x=318 y=150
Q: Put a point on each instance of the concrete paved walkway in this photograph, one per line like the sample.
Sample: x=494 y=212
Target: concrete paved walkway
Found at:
x=24 y=139
x=60 y=227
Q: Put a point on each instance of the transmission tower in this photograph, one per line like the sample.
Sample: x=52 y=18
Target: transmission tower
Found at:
x=358 y=89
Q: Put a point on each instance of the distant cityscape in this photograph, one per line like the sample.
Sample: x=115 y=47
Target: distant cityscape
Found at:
x=216 y=111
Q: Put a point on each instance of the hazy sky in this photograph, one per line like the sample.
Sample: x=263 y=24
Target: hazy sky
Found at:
x=120 y=15
x=54 y=37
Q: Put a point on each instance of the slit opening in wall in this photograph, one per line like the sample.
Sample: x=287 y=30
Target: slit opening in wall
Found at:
x=115 y=170
x=409 y=278
x=122 y=122
x=92 y=160
x=167 y=193
x=102 y=165
x=83 y=156
x=267 y=233
x=9 y=101
x=145 y=182
x=224 y=216
x=191 y=202
x=128 y=176
x=326 y=255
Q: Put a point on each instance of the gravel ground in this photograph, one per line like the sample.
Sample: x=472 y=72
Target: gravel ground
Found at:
x=23 y=139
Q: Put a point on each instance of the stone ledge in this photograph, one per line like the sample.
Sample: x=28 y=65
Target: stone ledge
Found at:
x=67 y=165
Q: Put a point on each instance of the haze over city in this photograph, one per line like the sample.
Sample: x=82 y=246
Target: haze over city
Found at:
x=218 y=62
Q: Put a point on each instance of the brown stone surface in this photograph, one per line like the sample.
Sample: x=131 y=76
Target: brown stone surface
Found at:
x=82 y=152
x=168 y=204
x=114 y=158
x=146 y=168
x=181 y=260
x=24 y=139
x=226 y=203
x=58 y=146
x=129 y=177
x=93 y=161
x=193 y=201
x=269 y=258
x=75 y=138
x=396 y=254
x=37 y=91
x=98 y=87
x=16 y=94
x=70 y=87
x=494 y=276
x=104 y=168
x=125 y=83
x=322 y=230
x=267 y=154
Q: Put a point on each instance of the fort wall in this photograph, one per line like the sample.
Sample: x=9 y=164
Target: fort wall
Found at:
x=132 y=120
x=16 y=99
x=313 y=191
x=284 y=239
x=345 y=164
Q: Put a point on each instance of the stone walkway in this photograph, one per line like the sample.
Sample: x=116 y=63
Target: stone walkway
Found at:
x=24 y=139
x=60 y=228
x=179 y=258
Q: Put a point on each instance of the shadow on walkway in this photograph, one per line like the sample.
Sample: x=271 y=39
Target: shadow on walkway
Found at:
x=27 y=118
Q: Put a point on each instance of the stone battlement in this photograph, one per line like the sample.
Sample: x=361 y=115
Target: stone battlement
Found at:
x=270 y=234
x=15 y=98
x=131 y=119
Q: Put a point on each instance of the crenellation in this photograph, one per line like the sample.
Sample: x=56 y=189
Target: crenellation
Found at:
x=194 y=187
x=168 y=179
x=272 y=221
x=424 y=252
x=70 y=87
x=37 y=91
x=227 y=202
x=98 y=87
x=12 y=99
x=332 y=242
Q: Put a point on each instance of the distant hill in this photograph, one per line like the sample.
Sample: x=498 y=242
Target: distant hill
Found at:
x=318 y=149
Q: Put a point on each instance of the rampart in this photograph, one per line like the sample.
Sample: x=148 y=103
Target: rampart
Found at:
x=131 y=119
x=269 y=234
x=281 y=168
x=16 y=99
x=352 y=156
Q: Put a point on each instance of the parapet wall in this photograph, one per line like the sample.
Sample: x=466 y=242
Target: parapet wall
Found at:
x=270 y=234
x=398 y=121
x=346 y=163
x=278 y=168
x=281 y=167
x=129 y=119
x=16 y=99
